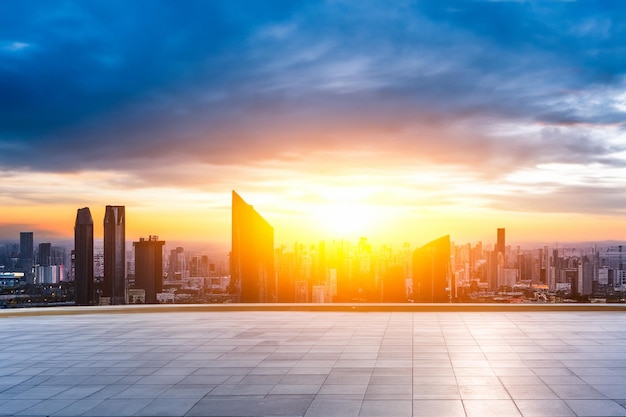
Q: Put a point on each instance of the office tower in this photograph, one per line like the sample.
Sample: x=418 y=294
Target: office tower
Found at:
x=114 y=284
x=431 y=272
x=500 y=244
x=45 y=254
x=26 y=247
x=149 y=267
x=252 y=255
x=177 y=264
x=497 y=260
x=83 y=257
x=26 y=259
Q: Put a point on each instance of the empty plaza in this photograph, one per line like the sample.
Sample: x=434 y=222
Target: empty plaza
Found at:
x=168 y=361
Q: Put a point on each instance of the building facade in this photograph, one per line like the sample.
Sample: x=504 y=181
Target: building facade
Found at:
x=149 y=267
x=114 y=283
x=83 y=257
x=252 y=255
x=432 y=277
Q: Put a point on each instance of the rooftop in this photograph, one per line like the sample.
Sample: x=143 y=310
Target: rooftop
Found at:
x=376 y=360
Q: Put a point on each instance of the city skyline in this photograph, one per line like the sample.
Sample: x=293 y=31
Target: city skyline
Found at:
x=338 y=119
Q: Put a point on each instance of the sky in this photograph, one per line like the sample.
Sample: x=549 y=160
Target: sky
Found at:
x=399 y=121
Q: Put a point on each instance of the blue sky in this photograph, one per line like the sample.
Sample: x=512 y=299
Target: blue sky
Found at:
x=513 y=107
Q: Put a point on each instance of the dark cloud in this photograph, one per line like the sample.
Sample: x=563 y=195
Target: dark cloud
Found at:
x=585 y=199
x=126 y=85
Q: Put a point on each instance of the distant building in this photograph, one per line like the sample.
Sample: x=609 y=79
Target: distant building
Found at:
x=497 y=261
x=26 y=246
x=11 y=279
x=83 y=257
x=149 y=267
x=252 y=255
x=177 y=264
x=114 y=283
x=432 y=276
x=26 y=260
x=45 y=254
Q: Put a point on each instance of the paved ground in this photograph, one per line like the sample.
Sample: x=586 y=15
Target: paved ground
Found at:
x=314 y=364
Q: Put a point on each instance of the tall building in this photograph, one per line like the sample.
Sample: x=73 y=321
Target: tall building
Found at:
x=114 y=284
x=177 y=264
x=500 y=243
x=26 y=259
x=497 y=260
x=432 y=275
x=83 y=257
x=149 y=267
x=45 y=254
x=26 y=246
x=252 y=255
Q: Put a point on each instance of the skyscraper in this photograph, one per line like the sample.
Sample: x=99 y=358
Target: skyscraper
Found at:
x=26 y=258
x=431 y=272
x=500 y=244
x=45 y=254
x=114 y=285
x=149 y=266
x=497 y=260
x=252 y=255
x=26 y=246
x=83 y=257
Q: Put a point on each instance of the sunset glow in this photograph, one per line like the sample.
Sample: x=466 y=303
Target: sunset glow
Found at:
x=417 y=122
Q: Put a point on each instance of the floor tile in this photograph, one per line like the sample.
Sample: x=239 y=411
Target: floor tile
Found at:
x=491 y=408
x=439 y=408
x=544 y=408
x=596 y=408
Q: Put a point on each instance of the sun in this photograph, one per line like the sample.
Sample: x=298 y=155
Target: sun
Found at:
x=347 y=220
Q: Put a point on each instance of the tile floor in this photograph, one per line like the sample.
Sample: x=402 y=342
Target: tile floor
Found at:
x=315 y=364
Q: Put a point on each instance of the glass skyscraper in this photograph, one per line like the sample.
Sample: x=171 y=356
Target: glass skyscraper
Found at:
x=83 y=257
x=252 y=256
x=114 y=284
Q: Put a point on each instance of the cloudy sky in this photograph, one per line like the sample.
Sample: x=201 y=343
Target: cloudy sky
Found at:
x=401 y=121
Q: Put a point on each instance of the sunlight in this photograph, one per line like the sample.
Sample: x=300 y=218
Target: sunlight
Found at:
x=347 y=219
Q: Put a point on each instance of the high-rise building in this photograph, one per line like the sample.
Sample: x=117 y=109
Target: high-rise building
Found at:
x=45 y=254
x=497 y=260
x=26 y=246
x=432 y=273
x=252 y=255
x=26 y=259
x=114 y=284
x=500 y=243
x=83 y=257
x=149 y=267
x=177 y=264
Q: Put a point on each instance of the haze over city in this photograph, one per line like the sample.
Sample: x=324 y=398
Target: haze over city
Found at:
x=400 y=122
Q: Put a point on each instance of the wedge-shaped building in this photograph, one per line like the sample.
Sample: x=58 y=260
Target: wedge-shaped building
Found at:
x=432 y=278
x=252 y=255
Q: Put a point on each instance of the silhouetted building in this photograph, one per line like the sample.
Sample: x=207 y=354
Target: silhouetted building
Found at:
x=83 y=257
x=114 y=284
x=497 y=261
x=500 y=242
x=252 y=255
x=45 y=254
x=149 y=267
x=26 y=247
x=431 y=272
x=26 y=258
